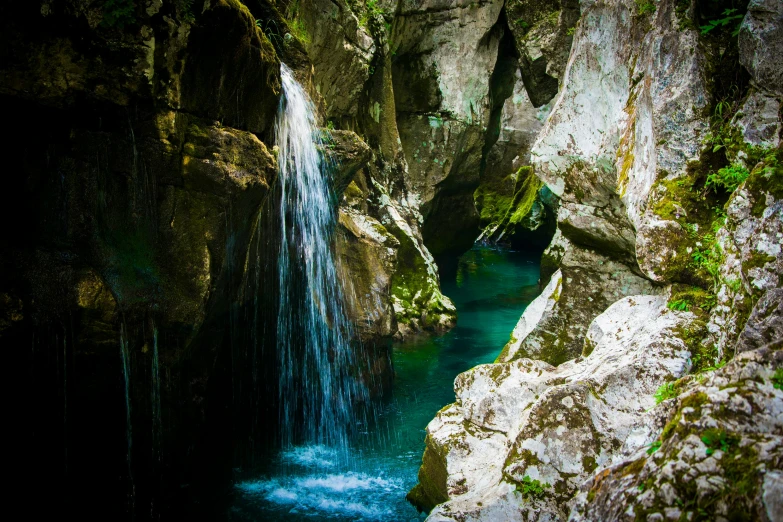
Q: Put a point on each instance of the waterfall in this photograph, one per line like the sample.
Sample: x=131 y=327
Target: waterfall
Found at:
x=318 y=383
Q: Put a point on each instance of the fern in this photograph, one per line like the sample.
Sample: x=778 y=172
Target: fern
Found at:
x=728 y=17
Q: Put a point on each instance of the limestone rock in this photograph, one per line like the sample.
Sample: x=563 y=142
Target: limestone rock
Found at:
x=556 y=425
x=752 y=261
x=341 y=51
x=761 y=44
x=444 y=54
x=720 y=456
x=367 y=254
x=553 y=326
x=765 y=324
x=544 y=33
x=599 y=149
x=503 y=198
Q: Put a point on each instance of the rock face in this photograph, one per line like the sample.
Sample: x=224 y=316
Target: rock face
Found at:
x=719 y=456
x=527 y=418
x=668 y=180
x=543 y=32
x=443 y=58
x=514 y=205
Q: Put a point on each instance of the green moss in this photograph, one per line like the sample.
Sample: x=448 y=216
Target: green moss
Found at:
x=507 y=203
x=694 y=298
x=634 y=467
x=766 y=178
x=589 y=464
x=588 y=348
x=432 y=487
x=118 y=13
x=681 y=11
x=777 y=379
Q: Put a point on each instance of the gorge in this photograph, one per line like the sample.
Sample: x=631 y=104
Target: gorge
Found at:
x=388 y=260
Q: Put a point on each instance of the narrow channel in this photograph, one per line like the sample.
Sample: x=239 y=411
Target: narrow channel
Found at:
x=490 y=288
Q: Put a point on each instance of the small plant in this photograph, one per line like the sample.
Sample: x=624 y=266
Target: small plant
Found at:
x=679 y=304
x=709 y=258
x=734 y=285
x=728 y=17
x=372 y=10
x=717 y=439
x=571 y=31
x=666 y=391
x=655 y=446
x=727 y=178
x=185 y=8
x=716 y=366
x=118 y=13
x=777 y=379
x=645 y=7
x=521 y=24
x=532 y=488
x=330 y=125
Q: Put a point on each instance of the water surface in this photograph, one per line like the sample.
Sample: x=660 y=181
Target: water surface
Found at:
x=491 y=289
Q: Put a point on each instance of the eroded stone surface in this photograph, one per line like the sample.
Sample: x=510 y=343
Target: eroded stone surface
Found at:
x=556 y=425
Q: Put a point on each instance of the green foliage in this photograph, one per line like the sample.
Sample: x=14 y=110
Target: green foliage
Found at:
x=680 y=304
x=777 y=379
x=532 y=488
x=372 y=10
x=655 y=446
x=729 y=16
x=716 y=366
x=666 y=391
x=717 y=439
x=118 y=13
x=271 y=31
x=330 y=125
x=709 y=257
x=645 y=7
x=727 y=178
x=185 y=9
x=521 y=24
x=571 y=31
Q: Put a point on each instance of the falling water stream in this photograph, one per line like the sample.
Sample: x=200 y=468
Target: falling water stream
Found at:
x=317 y=389
x=332 y=464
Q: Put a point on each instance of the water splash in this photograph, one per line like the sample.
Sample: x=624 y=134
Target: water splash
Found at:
x=318 y=384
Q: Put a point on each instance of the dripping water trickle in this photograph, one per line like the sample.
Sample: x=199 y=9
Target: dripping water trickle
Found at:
x=155 y=392
x=124 y=353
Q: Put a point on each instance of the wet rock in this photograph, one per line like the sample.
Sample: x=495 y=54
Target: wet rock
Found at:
x=341 y=51
x=503 y=198
x=544 y=33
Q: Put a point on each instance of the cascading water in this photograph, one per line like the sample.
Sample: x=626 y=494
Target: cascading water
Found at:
x=318 y=390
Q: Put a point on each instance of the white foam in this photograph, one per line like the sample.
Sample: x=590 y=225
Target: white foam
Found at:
x=329 y=495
